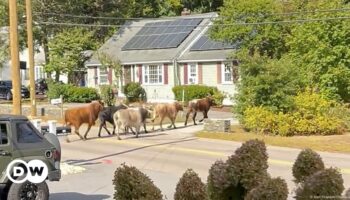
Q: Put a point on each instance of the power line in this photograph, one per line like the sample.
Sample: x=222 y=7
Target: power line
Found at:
x=222 y=25
x=198 y=16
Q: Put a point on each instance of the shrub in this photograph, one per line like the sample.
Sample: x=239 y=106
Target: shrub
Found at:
x=193 y=92
x=190 y=187
x=134 y=92
x=307 y=163
x=217 y=181
x=270 y=189
x=72 y=93
x=321 y=185
x=130 y=183
x=312 y=115
x=218 y=97
x=251 y=163
x=107 y=94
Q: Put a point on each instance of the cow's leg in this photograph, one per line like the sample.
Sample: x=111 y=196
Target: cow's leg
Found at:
x=194 y=117
x=76 y=131
x=113 y=129
x=85 y=136
x=118 y=127
x=138 y=130
x=144 y=127
x=153 y=119
x=205 y=115
x=105 y=127
x=187 y=115
x=172 y=119
x=161 y=123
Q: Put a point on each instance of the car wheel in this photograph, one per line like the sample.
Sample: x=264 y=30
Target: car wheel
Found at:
x=8 y=96
x=28 y=191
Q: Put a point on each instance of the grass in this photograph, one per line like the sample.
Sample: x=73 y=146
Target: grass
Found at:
x=333 y=143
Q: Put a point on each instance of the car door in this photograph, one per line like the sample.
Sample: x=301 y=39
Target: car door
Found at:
x=5 y=147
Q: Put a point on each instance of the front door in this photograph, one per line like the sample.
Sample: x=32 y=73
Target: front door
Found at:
x=127 y=74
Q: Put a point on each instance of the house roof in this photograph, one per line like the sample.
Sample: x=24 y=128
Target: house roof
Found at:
x=146 y=41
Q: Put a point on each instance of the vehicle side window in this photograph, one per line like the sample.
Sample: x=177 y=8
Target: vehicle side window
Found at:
x=26 y=133
x=3 y=134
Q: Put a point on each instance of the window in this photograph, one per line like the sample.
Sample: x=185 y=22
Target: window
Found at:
x=192 y=74
x=153 y=74
x=3 y=134
x=26 y=133
x=227 y=73
x=103 y=76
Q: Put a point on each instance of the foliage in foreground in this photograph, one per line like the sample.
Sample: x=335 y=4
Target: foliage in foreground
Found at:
x=240 y=174
x=307 y=163
x=130 y=183
x=322 y=185
x=270 y=189
x=190 y=187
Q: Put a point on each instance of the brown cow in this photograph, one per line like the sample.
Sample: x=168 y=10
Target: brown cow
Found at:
x=202 y=105
x=84 y=114
x=169 y=110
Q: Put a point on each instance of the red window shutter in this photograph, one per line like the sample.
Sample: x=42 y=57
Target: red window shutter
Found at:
x=110 y=75
x=166 y=74
x=185 y=74
x=95 y=75
x=218 y=72
x=140 y=73
x=200 y=73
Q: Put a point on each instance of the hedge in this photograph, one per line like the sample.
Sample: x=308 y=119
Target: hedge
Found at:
x=197 y=92
x=72 y=93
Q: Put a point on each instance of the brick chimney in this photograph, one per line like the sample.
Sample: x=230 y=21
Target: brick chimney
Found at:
x=185 y=11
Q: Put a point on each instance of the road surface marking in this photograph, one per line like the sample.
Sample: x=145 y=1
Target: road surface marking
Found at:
x=198 y=151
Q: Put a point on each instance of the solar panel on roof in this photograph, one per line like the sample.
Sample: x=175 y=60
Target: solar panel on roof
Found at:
x=204 y=43
x=161 y=35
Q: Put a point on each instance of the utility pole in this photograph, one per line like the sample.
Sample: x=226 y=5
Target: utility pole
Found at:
x=31 y=57
x=16 y=82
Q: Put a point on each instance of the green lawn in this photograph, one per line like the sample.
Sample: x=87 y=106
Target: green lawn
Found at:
x=334 y=143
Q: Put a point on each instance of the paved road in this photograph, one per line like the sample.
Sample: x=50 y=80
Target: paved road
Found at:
x=163 y=156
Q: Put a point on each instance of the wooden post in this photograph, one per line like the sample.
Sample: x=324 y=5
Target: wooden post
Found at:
x=31 y=57
x=16 y=82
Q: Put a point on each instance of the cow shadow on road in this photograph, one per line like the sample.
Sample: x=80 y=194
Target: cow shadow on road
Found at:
x=78 y=196
x=81 y=162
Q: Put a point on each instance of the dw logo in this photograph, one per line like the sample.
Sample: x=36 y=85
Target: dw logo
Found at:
x=19 y=171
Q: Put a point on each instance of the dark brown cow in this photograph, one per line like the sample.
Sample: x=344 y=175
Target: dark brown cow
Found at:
x=199 y=105
x=84 y=114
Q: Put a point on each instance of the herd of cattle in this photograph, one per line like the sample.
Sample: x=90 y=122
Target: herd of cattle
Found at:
x=126 y=118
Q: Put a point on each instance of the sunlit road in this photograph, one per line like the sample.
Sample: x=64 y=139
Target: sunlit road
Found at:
x=163 y=156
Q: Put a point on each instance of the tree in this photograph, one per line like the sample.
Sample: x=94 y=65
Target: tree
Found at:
x=266 y=82
x=108 y=61
x=267 y=39
x=66 y=52
x=321 y=51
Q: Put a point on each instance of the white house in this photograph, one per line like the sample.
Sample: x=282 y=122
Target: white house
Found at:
x=166 y=52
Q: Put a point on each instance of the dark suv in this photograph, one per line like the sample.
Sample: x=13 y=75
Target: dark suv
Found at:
x=19 y=139
x=6 y=87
